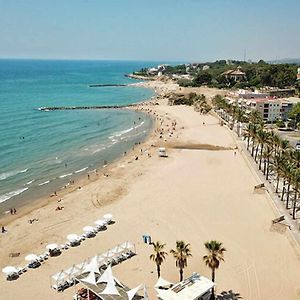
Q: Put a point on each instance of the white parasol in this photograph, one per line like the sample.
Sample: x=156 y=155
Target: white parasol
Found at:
x=52 y=246
x=100 y=222
x=88 y=229
x=108 y=217
x=72 y=237
x=9 y=270
x=31 y=257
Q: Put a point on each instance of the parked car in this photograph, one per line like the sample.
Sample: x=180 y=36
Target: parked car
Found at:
x=297 y=147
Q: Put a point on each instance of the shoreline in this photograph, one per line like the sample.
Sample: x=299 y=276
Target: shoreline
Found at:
x=27 y=206
x=30 y=206
x=191 y=195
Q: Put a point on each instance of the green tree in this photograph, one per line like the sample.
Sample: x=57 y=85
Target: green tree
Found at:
x=181 y=254
x=214 y=257
x=158 y=255
x=202 y=78
x=295 y=115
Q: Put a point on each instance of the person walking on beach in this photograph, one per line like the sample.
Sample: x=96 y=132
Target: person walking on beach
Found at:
x=3 y=230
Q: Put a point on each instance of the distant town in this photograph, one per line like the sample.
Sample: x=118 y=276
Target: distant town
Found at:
x=273 y=90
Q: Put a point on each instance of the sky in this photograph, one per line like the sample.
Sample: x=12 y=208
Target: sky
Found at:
x=158 y=30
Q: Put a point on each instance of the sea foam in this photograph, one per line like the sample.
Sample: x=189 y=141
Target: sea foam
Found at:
x=11 y=173
x=12 y=194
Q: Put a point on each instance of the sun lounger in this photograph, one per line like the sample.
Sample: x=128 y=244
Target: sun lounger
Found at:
x=277 y=220
x=12 y=276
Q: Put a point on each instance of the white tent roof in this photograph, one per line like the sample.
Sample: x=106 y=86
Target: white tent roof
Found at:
x=133 y=291
x=107 y=276
x=161 y=282
x=145 y=293
x=91 y=279
x=74 y=270
x=110 y=288
x=92 y=266
x=59 y=275
x=127 y=245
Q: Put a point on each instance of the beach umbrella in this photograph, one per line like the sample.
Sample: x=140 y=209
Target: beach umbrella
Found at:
x=108 y=217
x=52 y=246
x=88 y=229
x=100 y=222
x=72 y=237
x=9 y=270
x=31 y=257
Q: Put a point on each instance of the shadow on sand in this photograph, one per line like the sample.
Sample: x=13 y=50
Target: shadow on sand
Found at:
x=230 y=295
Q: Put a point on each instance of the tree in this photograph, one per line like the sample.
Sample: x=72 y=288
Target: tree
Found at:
x=181 y=254
x=214 y=257
x=202 y=78
x=295 y=115
x=158 y=255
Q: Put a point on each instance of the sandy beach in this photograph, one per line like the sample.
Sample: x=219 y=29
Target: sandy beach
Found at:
x=193 y=195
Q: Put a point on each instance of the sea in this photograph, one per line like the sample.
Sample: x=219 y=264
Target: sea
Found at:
x=42 y=151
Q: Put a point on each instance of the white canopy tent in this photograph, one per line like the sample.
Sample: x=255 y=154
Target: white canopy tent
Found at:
x=110 y=288
x=92 y=266
x=90 y=278
x=133 y=291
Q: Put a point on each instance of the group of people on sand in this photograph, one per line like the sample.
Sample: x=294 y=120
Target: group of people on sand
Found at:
x=13 y=211
x=30 y=221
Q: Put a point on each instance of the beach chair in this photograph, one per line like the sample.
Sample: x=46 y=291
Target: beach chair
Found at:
x=21 y=270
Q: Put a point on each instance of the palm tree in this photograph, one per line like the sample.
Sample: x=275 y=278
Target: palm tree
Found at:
x=181 y=254
x=277 y=168
x=158 y=255
x=247 y=134
x=214 y=257
x=239 y=118
x=296 y=180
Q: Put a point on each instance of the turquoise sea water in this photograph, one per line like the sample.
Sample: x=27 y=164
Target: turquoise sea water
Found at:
x=42 y=151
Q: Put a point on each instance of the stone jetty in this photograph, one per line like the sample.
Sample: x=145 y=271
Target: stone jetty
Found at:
x=84 y=107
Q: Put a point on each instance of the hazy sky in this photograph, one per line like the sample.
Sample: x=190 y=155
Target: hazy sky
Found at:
x=179 y=30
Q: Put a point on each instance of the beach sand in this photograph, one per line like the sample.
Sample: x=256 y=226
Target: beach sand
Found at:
x=194 y=195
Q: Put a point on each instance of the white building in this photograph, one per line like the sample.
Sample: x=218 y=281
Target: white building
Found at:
x=195 y=287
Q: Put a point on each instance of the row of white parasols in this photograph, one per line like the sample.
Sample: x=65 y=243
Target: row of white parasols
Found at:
x=9 y=270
